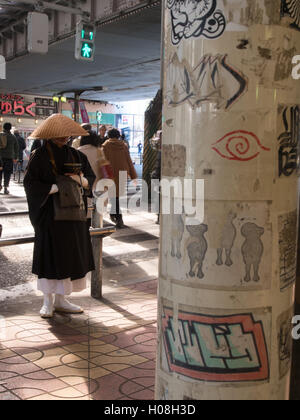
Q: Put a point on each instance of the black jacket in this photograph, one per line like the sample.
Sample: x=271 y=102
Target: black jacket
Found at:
x=62 y=248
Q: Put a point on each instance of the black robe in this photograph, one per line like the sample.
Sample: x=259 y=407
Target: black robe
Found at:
x=62 y=249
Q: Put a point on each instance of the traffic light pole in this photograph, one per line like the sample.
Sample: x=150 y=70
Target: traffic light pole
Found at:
x=231 y=118
x=76 y=105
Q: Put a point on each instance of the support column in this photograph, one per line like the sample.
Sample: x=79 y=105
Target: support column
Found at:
x=76 y=105
x=231 y=117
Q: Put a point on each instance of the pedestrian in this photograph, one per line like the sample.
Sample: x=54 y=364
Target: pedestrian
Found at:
x=9 y=156
x=140 y=149
x=124 y=139
x=36 y=145
x=156 y=173
x=22 y=147
x=118 y=155
x=62 y=250
x=76 y=141
x=89 y=146
x=102 y=135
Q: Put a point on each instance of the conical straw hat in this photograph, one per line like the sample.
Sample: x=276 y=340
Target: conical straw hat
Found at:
x=58 y=126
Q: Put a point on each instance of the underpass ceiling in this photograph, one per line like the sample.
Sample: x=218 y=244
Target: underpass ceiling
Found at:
x=127 y=63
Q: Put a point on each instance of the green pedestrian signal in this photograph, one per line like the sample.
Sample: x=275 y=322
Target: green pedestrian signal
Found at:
x=86 y=50
x=99 y=116
x=85 y=41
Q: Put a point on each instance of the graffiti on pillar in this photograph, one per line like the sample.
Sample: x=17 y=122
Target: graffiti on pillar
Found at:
x=163 y=390
x=195 y=18
x=227 y=240
x=177 y=235
x=252 y=250
x=271 y=63
x=289 y=141
x=213 y=80
x=291 y=8
x=239 y=145
x=287 y=226
x=174 y=159
x=216 y=348
x=197 y=249
x=285 y=341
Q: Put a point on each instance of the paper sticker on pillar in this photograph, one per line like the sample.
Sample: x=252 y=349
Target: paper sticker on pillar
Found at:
x=289 y=140
x=246 y=13
x=240 y=146
x=285 y=341
x=195 y=18
x=213 y=80
x=174 y=160
x=287 y=228
x=291 y=10
x=230 y=250
x=228 y=348
x=270 y=60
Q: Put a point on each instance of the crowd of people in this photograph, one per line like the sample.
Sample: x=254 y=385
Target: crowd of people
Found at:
x=12 y=147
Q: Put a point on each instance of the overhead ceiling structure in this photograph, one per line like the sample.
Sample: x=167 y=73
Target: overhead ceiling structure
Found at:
x=127 y=58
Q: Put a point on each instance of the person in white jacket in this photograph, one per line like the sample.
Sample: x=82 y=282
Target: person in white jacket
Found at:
x=89 y=146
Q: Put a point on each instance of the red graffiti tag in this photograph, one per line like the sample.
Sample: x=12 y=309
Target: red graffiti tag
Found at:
x=240 y=146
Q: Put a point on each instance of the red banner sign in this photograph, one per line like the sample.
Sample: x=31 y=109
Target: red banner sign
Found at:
x=84 y=114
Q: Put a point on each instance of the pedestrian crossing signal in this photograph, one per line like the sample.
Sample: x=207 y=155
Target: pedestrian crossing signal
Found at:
x=98 y=116
x=86 y=50
x=85 y=41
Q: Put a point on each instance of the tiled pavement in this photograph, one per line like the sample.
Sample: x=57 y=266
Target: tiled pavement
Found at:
x=106 y=353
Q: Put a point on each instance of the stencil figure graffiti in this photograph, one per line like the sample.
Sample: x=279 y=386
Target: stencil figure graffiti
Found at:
x=252 y=249
x=216 y=348
x=289 y=141
x=213 y=80
x=239 y=145
x=197 y=249
x=227 y=240
x=193 y=18
x=291 y=8
x=176 y=236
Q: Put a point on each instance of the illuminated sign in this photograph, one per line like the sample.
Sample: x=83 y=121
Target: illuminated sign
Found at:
x=15 y=105
x=85 y=41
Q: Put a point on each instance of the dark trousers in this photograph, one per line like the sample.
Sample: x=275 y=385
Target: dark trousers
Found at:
x=6 y=172
x=115 y=208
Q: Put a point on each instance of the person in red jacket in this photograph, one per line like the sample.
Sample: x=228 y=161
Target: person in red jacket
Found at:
x=118 y=155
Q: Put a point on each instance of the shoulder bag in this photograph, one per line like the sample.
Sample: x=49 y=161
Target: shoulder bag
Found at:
x=68 y=202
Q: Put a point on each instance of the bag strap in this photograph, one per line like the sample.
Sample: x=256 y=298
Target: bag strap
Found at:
x=52 y=160
x=54 y=167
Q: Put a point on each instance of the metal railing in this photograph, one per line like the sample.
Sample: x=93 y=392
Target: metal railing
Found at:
x=97 y=236
x=21 y=240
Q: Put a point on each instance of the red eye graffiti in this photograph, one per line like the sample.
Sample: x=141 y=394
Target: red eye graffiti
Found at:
x=239 y=145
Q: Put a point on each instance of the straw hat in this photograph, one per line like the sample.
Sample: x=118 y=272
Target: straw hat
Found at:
x=58 y=126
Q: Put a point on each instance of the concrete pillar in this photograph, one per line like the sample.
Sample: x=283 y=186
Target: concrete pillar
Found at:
x=230 y=117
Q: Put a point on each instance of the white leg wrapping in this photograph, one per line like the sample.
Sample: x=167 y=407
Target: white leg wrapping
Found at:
x=62 y=305
x=47 y=309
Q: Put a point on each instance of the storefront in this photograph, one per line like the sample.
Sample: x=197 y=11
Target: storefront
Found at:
x=88 y=111
x=25 y=112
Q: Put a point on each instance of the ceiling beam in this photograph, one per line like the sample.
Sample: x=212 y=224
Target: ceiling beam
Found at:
x=55 y=6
